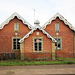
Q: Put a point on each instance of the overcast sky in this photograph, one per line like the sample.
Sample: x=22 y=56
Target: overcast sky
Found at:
x=44 y=9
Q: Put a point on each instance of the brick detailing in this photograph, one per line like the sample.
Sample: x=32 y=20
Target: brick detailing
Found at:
x=38 y=56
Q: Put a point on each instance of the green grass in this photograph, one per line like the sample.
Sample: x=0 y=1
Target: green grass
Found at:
x=65 y=59
x=19 y=63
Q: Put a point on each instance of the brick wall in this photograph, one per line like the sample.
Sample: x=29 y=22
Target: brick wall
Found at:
x=67 y=36
x=8 y=32
x=28 y=45
x=65 y=33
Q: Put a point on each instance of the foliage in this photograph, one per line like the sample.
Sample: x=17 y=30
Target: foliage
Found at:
x=34 y=62
x=65 y=59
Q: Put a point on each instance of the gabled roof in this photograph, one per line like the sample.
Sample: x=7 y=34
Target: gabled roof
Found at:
x=12 y=17
x=61 y=18
x=35 y=28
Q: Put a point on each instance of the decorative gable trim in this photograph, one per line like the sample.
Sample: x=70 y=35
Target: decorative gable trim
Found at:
x=35 y=28
x=12 y=17
x=61 y=18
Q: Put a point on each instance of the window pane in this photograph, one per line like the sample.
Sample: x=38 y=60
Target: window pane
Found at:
x=34 y=40
x=35 y=48
x=18 y=39
x=16 y=44
x=40 y=46
x=14 y=39
x=59 y=39
x=16 y=26
x=40 y=40
x=59 y=46
x=58 y=43
x=56 y=26
x=55 y=45
x=37 y=44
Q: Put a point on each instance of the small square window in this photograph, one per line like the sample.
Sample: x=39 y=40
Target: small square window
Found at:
x=37 y=33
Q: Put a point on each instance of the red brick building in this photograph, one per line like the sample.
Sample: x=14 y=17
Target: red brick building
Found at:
x=56 y=38
x=11 y=31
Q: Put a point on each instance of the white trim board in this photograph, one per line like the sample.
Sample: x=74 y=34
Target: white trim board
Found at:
x=61 y=18
x=12 y=17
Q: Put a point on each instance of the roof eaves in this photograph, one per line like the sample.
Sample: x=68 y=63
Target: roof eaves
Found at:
x=61 y=18
x=35 y=28
x=12 y=17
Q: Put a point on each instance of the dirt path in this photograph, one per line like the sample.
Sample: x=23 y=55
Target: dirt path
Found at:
x=37 y=70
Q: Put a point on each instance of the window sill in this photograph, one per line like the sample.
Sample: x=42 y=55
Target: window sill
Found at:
x=58 y=49
x=37 y=51
x=16 y=31
x=16 y=50
x=57 y=31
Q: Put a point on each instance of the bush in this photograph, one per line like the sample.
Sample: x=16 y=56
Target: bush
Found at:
x=70 y=62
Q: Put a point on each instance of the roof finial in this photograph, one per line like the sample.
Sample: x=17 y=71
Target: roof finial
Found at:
x=34 y=15
x=37 y=22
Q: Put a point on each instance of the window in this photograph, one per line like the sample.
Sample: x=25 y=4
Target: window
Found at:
x=37 y=33
x=58 y=43
x=16 y=26
x=16 y=44
x=56 y=26
x=37 y=45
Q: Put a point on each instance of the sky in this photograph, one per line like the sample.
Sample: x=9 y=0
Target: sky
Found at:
x=44 y=10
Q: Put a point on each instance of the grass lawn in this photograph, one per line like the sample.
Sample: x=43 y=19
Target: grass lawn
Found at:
x=17 y=62
x=65 y=59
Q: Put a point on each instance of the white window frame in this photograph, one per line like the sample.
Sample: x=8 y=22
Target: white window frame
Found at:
x=37 y=45
x=56 y=47
x=15 y=43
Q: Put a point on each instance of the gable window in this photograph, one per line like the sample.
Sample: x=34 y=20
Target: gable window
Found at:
x=16 y=26
x=16 y=44
x=58 y=43
x=56 y=26
x=37 y=45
